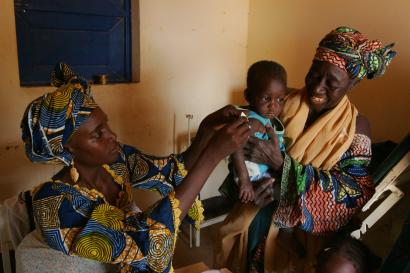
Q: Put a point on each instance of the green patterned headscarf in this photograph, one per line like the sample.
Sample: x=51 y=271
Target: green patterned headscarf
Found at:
x=50 y=120
x=351 y=51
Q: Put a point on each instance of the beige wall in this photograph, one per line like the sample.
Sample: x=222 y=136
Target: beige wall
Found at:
x=289 y=31
x=193 y=56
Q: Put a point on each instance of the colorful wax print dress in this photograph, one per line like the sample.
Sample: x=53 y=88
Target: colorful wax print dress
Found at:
x=79 y=221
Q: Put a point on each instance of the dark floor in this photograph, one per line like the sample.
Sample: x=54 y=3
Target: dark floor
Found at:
x=184 y=255
x=379 y=238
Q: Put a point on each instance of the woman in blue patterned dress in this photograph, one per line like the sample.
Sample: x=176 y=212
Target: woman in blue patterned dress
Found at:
x=86 y=209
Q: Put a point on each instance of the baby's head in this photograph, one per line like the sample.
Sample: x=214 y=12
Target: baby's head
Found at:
x=347 y=255
x=266 y=88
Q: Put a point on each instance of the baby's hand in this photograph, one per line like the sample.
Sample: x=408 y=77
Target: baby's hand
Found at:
x=246 y=193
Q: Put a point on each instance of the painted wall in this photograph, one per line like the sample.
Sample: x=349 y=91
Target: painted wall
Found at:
x=193 y=59
x=194 y=56
x=289 y=32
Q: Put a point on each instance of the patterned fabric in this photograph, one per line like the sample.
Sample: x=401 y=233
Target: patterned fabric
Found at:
x=50 y=120
x=321 y=201
x=80 y=222
x=63 y=74
x=257 y=235
x=257 y=261
x=196 y=213
x=318 y=202
x=352 y=52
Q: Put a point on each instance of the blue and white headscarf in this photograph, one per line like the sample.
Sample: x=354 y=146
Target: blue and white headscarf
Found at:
x=50 y=120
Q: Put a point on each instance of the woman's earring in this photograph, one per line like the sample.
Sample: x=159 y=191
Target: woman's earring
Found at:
x=74 y=173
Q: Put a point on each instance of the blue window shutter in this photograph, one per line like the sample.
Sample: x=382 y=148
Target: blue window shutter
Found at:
x=93 y=37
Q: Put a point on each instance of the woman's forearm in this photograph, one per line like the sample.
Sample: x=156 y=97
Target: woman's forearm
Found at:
x=194 y=151
x=225 y=141
x=207 y=129
x=196 y=178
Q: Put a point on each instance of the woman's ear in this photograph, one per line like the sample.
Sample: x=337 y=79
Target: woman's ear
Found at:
x=68 y=147
x=353 y=83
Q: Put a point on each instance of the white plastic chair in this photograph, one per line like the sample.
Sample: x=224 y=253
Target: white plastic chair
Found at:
x=14 y=226
x=5 y=245
x=386 y=178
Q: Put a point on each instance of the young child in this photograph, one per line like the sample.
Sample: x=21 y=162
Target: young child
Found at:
x=265 y=93
x=347 y=255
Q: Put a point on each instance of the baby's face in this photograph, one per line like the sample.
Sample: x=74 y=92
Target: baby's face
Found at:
x=269 y=101
x=338 y=264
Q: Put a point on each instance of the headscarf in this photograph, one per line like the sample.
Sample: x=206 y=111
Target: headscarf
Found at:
x=50 y=120
x=351 y=51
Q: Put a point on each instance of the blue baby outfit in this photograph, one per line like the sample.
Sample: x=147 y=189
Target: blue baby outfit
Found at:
x=257 y=171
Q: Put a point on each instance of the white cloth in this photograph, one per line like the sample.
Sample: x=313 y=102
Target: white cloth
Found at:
x=14 y=220
x=33 y=255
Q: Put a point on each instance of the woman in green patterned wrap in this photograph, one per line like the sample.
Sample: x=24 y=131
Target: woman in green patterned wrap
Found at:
x=322 y=178
x=86 y=209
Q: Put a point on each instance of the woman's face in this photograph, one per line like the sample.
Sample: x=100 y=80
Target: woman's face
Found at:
x=326 y=84
x=94 y=144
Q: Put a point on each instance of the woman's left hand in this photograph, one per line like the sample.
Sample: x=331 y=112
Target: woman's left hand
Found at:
x=263 y=192
x=265 y=151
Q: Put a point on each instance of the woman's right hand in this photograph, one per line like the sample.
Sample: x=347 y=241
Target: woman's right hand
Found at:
x=265 y=151
x=225 y=141
x=230 y=137
x=216 y=120
x=263 y=192
x=207 y=130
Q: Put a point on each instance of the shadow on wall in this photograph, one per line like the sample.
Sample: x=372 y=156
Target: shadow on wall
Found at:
x=143 y=117
x=238 y=97
x=14 y=163
x=182 y=141
x=388 y=107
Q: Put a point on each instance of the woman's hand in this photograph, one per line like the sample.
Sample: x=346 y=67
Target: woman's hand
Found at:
x=218 y=119
x=230 y=137
x=265 y=151
x=263 y=192
x=209 y=126
x=226 y=140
